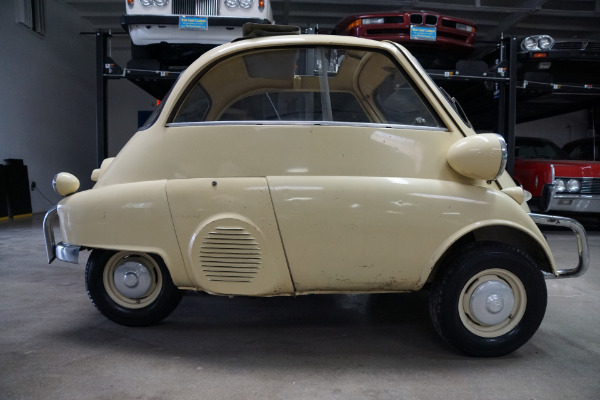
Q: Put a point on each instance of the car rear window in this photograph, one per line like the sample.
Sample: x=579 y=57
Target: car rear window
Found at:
x=306 y=84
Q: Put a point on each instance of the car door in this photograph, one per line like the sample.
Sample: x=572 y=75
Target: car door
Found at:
x=228 y=235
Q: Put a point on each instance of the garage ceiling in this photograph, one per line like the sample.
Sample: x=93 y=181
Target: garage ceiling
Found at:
x=562 y=19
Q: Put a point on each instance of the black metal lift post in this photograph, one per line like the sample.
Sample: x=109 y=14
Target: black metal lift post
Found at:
x=101 y=111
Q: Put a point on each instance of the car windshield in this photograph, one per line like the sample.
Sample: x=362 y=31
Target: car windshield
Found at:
x=317 y=84
x=538 y=148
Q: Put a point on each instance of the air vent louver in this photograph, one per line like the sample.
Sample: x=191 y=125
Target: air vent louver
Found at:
x=230 y=254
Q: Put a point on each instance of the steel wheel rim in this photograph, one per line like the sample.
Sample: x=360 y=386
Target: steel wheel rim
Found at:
x=119 y=269
x=505 y=303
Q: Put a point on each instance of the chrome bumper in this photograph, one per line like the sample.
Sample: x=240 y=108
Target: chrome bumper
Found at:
x=579 y=203
x=63 y=251
x=582 y=243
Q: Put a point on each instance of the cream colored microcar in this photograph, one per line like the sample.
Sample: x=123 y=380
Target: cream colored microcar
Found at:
x=302 y=164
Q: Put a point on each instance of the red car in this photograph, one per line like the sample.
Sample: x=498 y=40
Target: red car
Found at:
x=437 y=41
x=556 y=182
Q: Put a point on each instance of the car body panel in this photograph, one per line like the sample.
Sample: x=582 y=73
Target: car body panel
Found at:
x=131 y=217
x=330 y=206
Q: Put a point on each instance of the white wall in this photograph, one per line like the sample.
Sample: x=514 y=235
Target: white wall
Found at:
x=48 y=99
x=47 y=106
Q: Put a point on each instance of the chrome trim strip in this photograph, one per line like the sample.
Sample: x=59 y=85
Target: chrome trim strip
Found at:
x=582 y=243
x=311 y=123
x=49 y=234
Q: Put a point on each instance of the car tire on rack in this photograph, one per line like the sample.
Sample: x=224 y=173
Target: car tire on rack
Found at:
x=488 y=300
x=130 y=288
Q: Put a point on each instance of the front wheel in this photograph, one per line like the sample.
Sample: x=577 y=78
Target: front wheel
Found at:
x=130 y=288
x=489 y=300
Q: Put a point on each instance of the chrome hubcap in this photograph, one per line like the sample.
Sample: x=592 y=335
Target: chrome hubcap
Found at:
x=492 y=302
x=132 y=279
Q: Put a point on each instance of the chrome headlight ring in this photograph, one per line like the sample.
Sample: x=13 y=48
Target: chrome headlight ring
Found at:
x=232 y=3
x=246 y=4
x=537 y=43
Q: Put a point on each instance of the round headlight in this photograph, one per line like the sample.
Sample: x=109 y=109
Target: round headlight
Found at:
x=573 y=186
x=146 y=3
x=529 y=44
x=232 y=3
x=65 y=184
x=161 y=3
x=559 y=185
x=545 y=42
x=246 y=3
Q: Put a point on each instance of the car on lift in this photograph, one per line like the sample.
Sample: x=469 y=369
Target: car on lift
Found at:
x=312 y=164
x=587 y=149
x=543 y=59
x=173 y=33
x=556 y=182
x=436 y=40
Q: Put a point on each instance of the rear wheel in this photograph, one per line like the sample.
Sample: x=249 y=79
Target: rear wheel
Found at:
x=130 y=288
x=489 y=300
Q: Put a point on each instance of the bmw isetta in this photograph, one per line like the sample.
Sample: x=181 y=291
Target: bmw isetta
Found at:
x=286 y=165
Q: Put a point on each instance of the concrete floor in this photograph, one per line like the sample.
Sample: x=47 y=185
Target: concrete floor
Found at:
x=55 y=345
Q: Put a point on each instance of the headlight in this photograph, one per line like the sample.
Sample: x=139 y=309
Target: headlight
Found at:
x=246 y=3
x=559 y=185
x=65 y=184
x=573 y=186
x=232 y=3
x=369 y=21
x=146 y=3
x=464 y=27
x=537 y=43
x=545 y=42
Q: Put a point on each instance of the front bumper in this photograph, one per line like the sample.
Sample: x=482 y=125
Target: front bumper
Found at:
x=582 y=243
x=153 y=29
x=576 y=203
x=63 y=251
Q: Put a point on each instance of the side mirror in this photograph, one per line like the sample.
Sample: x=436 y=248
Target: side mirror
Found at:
x=481 y=156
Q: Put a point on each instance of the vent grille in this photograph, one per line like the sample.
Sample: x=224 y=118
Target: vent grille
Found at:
x=230 y=254
x=577 y=46
x=590 y=186
x=196 y=7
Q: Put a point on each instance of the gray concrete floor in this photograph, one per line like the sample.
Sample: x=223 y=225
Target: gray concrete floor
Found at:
x=55 y=345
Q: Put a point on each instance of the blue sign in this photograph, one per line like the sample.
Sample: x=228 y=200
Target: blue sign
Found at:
x=422 y=32
x=194 y=23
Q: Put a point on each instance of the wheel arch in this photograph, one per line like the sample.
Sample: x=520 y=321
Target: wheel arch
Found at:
x=498 y=233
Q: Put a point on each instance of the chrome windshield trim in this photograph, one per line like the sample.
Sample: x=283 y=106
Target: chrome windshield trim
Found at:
x=582 y=243
x=307 y=123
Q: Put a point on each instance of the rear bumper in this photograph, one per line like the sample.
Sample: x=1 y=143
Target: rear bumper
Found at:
x=581 y=238
x=63 y=251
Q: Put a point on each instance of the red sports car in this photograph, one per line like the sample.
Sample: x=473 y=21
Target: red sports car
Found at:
x=437 y=41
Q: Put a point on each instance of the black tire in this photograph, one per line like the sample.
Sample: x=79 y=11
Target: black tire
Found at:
x=144 y=295
x=470 y=303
